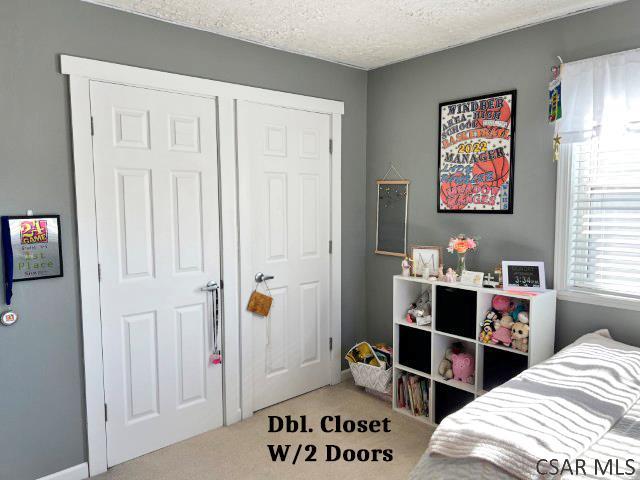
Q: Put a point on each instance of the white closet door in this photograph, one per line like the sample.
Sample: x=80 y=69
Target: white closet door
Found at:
x=155 y=160
x=287 y=155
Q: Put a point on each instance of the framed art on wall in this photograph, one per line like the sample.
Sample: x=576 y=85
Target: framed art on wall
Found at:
x=476 y=154
x=391 y=228
x=31 y=249
x=32 y=246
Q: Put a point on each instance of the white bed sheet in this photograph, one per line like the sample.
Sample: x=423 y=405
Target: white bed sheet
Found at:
x=620 y=445
x=622 y=442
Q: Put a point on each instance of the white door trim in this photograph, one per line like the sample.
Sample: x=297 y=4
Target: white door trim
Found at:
x=237 y=372
x=136 y=76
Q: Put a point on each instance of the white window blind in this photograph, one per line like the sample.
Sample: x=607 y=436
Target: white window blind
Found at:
x=603 y=251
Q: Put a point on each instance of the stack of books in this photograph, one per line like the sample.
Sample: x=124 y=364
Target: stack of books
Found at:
x=413 y=394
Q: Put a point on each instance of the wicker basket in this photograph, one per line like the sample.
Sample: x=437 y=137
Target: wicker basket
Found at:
x=375 y=378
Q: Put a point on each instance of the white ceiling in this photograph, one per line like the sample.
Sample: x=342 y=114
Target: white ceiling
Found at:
x=362 y=33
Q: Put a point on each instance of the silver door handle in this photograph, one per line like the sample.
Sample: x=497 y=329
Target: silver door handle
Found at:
x=261 y=277
x=210 y=287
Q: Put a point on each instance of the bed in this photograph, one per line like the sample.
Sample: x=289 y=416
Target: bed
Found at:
x=580 y=408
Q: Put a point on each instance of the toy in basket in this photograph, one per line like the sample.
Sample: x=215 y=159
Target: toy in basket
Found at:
x=371 y=366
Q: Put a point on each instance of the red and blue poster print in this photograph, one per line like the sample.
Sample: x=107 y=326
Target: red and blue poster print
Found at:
x=476 y=153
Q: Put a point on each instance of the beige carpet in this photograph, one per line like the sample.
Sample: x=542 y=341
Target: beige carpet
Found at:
x=240 y=451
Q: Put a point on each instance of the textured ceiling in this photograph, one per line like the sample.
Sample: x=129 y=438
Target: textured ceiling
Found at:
x=361 y=33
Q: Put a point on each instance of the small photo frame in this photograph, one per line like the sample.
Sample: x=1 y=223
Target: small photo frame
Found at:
x=523 y=276
x=472 y=278
x=425 y=258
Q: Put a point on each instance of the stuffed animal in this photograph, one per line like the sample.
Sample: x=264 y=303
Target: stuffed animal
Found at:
x=488 y=326
x=520 y=336
x=517 y=310
x=421 y=307
x=463 y=367
x=502 y=304
x=523 y=317
x=503 y=332
x=445 y=369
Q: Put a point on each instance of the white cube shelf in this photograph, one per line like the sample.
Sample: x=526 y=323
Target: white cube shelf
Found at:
x=435 y=340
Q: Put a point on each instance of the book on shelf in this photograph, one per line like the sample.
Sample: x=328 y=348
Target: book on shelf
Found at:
x=413 y=394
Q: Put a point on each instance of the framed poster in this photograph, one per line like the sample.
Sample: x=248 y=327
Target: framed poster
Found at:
x=523 y=276
x=391 y=228
x=476 y=144
x=32 y=246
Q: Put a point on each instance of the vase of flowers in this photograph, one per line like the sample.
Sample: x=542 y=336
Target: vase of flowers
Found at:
x=460 y=245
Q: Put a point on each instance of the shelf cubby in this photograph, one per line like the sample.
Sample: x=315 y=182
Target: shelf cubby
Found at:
x=504 y=365
x=414 y=348
x=449 y=399
x=457 y=315
x=456 y=311
x=406 y=410
x=440 y=345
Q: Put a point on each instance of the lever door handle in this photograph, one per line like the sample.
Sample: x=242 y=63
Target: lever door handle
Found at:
x=210 y=287
x=261 y=277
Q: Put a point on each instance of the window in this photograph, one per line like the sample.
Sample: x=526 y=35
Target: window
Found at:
x=598 y=199
x=603 y=231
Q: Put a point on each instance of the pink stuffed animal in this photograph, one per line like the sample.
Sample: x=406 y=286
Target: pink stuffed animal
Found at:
x=503 y=331
x=502 y=304
x=463 y=367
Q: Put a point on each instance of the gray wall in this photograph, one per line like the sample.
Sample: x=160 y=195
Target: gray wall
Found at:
x=402 y=128
x=41 y=384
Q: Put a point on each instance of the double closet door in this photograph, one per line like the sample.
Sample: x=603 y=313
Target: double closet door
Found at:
x=158 y=227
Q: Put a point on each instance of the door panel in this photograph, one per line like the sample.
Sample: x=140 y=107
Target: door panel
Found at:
x=135 y=223
x=141 y=363
x=156 y=182
x=286 y=152
x=187 y=219
x=277 y=334
x=191 y=328
x=309 y=215
x=276 y=217
x=310 y=322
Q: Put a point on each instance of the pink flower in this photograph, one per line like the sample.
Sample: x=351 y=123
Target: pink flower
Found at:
x=461 y=244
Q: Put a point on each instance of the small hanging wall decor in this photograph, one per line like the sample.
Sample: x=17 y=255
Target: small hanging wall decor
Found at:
x=476 y=154
x=8 y=318
x=555 y=106
x=31 y=249
x=555 y=95
x=391 y=229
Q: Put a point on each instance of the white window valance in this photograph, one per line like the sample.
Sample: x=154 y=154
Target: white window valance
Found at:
x=600 y=96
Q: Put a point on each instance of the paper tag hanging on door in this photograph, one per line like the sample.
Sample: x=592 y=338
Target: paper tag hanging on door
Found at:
x=259 y=303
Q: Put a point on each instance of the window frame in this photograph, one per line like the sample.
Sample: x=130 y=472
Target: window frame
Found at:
x=561 y=254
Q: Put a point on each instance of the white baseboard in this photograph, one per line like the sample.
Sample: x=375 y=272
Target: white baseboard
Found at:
x=345 y=374
x=79 y=472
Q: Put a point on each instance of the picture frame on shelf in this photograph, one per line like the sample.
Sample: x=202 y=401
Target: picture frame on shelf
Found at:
x=425 y=257
x=523 y=275
x=469 y=277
